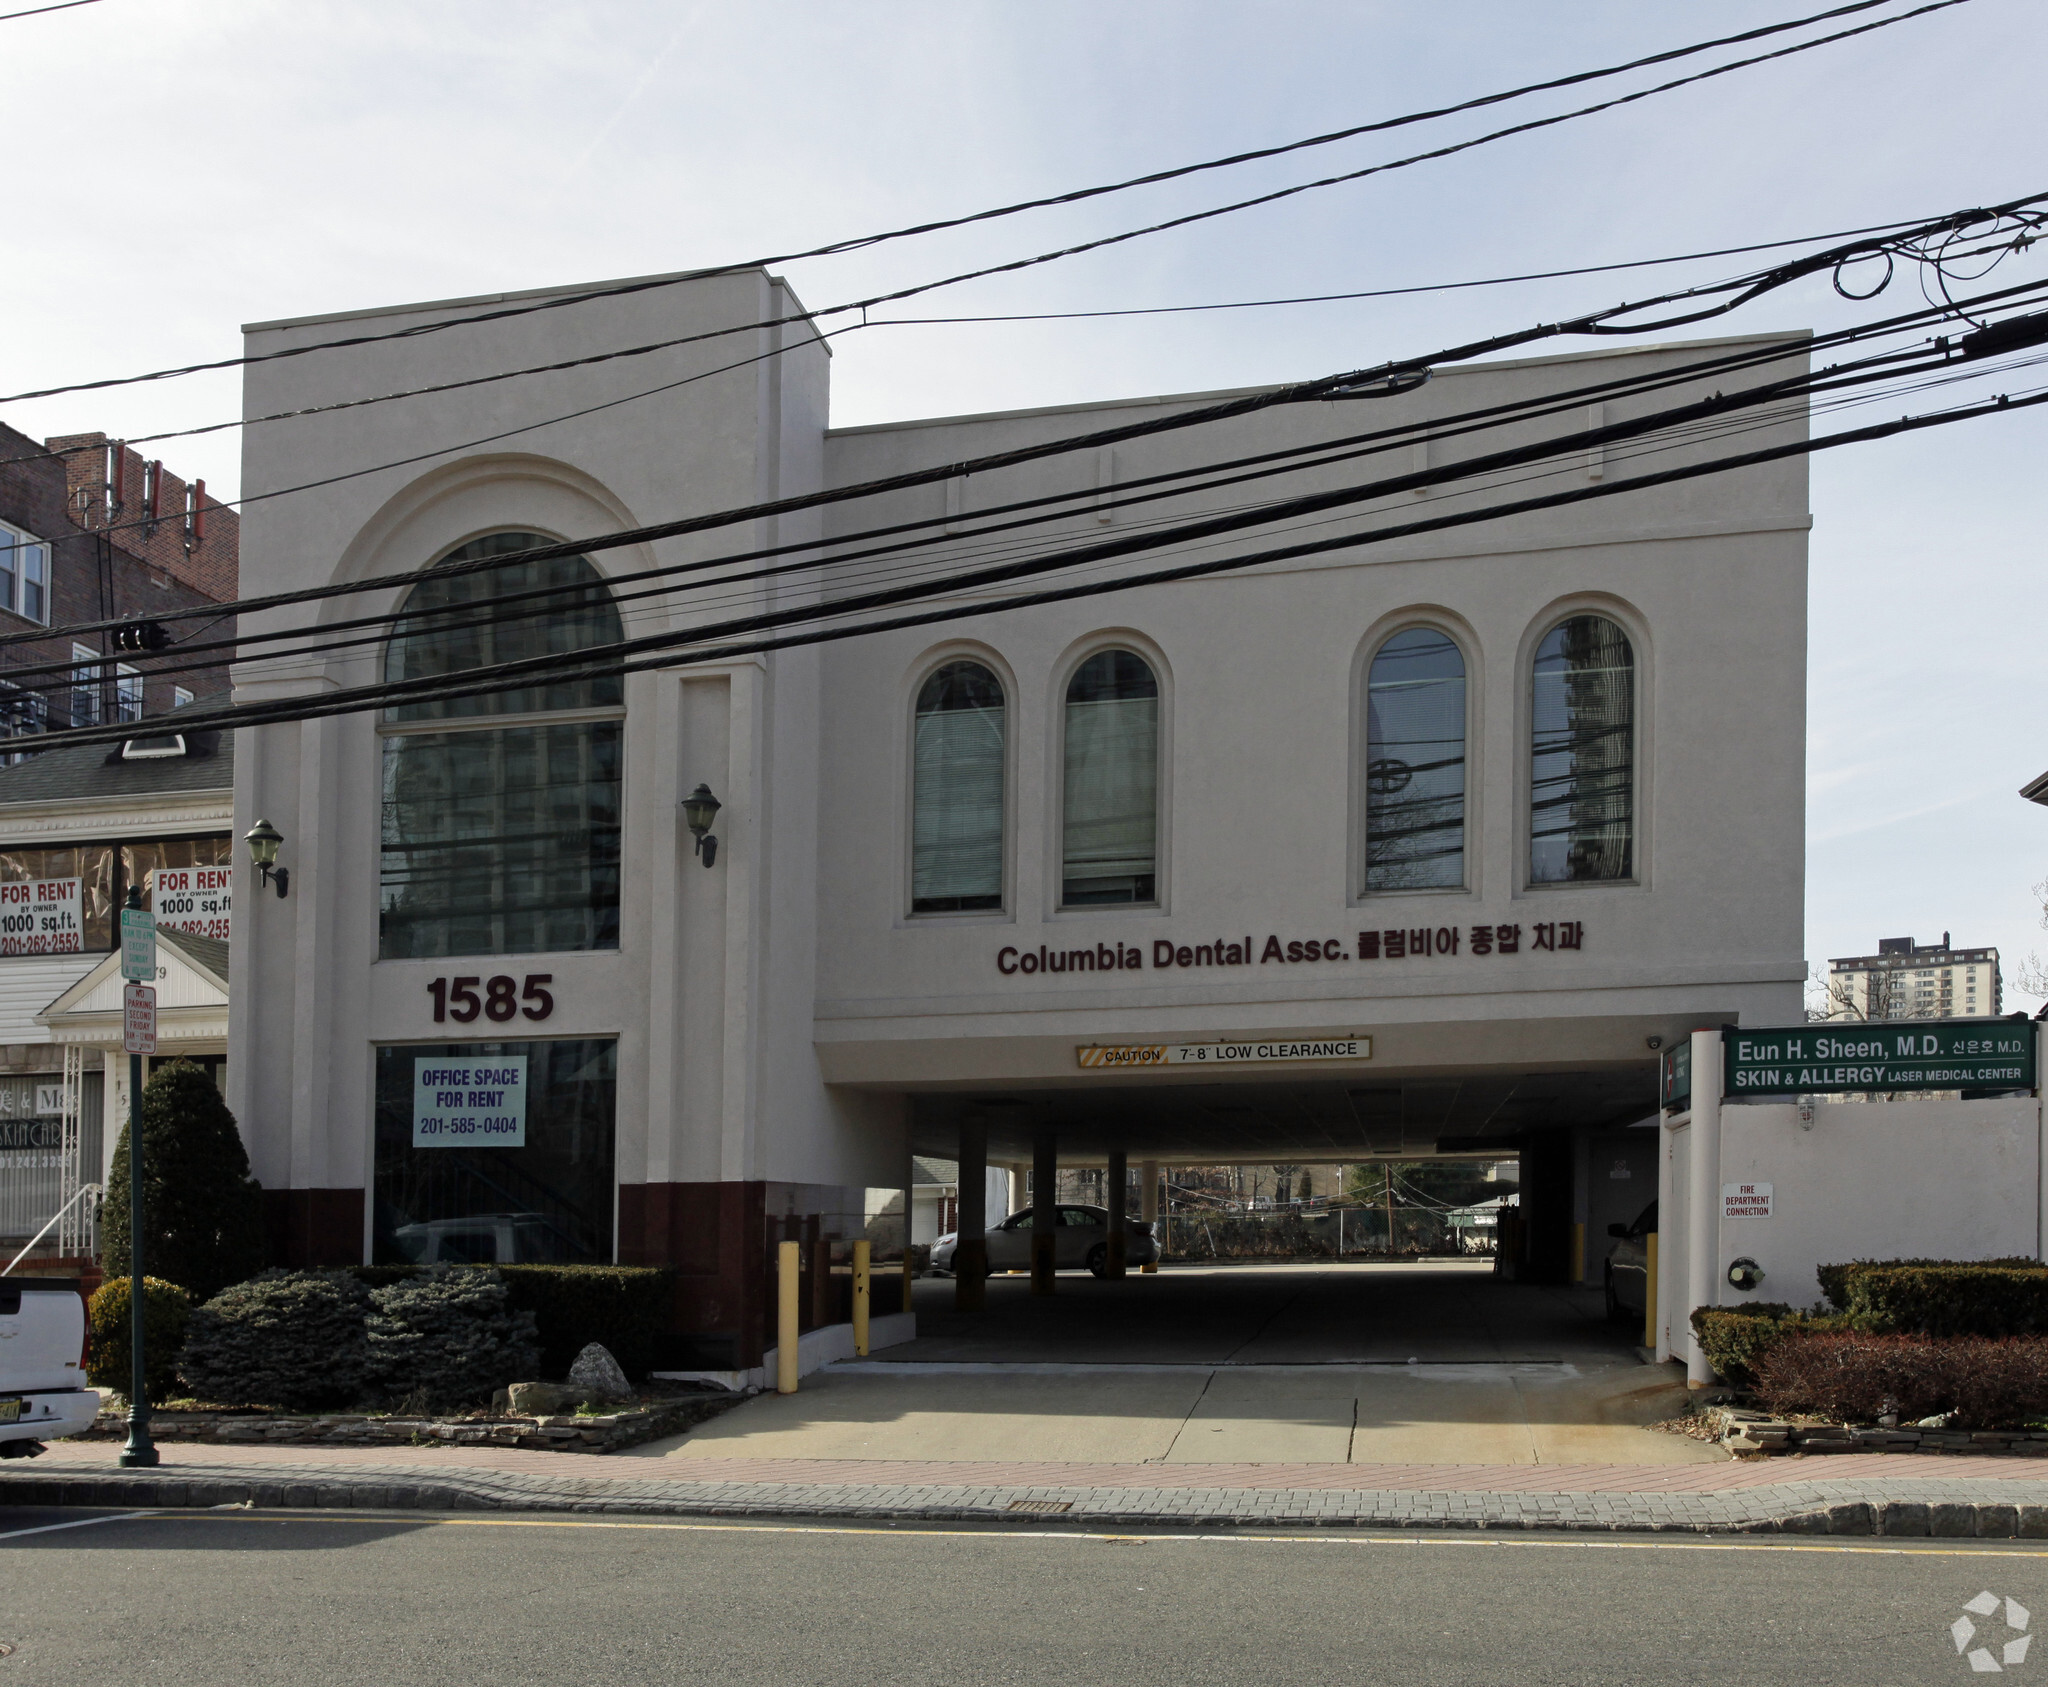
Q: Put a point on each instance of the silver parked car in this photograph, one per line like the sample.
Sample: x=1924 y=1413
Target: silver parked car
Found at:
x=1628 y=1267
x=1080 y=1237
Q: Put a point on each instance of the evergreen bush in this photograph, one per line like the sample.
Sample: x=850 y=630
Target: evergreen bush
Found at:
x=165 y=1310
x=295 y=1339
x=1941 y=1297
x=202 y=1211
x=449 y=1337
x=628 y=1309
x=1735 y=1338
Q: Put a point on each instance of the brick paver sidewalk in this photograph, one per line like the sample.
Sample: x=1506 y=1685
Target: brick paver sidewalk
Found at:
x=1892 y=1494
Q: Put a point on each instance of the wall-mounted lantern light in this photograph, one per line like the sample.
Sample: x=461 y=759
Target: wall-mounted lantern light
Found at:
x=263 y=840
x=700 y=808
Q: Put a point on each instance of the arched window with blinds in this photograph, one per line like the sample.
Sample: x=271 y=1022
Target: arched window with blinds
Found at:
x=958 y=768
x=1415 y=763
x=500 y=826
x=1582 y=763
x=1110 y=798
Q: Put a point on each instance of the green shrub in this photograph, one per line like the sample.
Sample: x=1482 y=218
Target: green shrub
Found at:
x=449 y=1337
x=1835 y=1280
x=1998 y=1297
x=626 y=1308
x=296 y=1339
x=1858 y=1377
x=1735 y=1338
x=165 y=1309
x=202 y=1211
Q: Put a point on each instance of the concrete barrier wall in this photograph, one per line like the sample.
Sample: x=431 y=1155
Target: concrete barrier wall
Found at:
x=1879 y=1180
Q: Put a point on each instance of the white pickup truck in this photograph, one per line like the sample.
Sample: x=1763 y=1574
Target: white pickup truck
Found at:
x=42 y=1364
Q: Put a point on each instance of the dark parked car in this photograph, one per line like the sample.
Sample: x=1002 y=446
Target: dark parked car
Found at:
x=1628 y=1267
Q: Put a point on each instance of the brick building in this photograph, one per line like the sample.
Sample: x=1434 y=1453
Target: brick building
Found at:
x=90 y=532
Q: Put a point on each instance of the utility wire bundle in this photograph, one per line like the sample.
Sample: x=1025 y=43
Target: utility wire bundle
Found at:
x=915 y=572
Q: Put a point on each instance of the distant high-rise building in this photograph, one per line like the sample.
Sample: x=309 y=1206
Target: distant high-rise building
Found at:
x=1908 y=980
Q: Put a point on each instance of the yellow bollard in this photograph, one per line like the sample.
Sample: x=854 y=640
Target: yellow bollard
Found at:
x=909 y=1271
x=1578 y=1265
x=1650 y=1293
x=789 y=1289
x=860 y=1300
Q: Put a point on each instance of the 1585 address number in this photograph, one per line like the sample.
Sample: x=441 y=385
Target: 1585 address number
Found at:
x=457 y=998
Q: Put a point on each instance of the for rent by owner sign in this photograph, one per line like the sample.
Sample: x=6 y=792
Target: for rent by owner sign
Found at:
x=1898 y=1055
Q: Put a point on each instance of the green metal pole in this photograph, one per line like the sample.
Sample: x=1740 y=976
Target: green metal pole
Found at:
x=140 y=1450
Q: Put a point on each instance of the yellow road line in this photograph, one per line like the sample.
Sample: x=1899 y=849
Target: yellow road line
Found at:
x=1331 y=1537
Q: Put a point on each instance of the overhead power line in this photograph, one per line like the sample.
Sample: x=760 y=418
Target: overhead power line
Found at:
x=1722 y=297
x=199 y=717
x=37 y=11
x=647 y=284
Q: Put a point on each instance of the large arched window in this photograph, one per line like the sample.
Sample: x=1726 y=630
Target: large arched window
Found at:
x=500 y=829
x=1582 y=768
x=1415 y=763
x=1110 y=809
x=957 y=773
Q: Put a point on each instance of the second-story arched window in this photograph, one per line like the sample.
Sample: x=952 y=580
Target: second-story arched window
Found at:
x=1582 y=763
x=958 y=768
x=500 y=824
x=1415 y=763
x=1110 y=810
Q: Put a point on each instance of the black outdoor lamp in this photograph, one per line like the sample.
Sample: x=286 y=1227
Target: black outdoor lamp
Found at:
x=700 y=808
x=263 y=839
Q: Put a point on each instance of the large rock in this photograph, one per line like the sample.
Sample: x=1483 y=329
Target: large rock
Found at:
x=596 y=1370
x=545 y=1399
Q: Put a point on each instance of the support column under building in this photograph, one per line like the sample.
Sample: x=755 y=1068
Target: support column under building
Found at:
x=1703 y=1203
x=1148 y=1210
x=1118 y=1247
x=970 y=1251
x=1045 y=1212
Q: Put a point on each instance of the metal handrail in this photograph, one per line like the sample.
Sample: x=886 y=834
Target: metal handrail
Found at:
x=83 y=1189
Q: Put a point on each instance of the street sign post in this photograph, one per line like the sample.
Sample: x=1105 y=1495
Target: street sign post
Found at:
x=1833 y=1056
x=138 y=1012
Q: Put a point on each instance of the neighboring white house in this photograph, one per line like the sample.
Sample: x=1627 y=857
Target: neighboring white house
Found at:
x=77 y=828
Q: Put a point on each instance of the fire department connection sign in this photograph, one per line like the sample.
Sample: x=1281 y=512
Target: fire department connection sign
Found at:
x=469 y=1103
x=1745 y=1200
x=1094 y=1056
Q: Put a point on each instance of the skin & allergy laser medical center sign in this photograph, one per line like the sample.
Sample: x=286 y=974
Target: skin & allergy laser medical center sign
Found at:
x=1899 y=1055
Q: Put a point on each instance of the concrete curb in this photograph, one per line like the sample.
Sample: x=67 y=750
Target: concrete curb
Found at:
x=1791 y=1509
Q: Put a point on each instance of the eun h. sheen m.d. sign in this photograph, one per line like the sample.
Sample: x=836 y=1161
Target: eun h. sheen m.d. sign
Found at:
x=464 y=1103
x=1101 y=1056
x=1912 y=1054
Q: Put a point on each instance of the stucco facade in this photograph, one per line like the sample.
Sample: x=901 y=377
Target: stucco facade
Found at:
x=788 y=1030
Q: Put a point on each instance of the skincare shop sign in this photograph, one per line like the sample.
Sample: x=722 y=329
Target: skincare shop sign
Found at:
x=469 y=1103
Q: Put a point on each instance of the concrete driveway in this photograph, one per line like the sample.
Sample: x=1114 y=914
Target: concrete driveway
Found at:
x=1435 y=1363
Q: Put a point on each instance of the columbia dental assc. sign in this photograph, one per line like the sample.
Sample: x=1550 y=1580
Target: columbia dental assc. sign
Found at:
x=1901 y=1055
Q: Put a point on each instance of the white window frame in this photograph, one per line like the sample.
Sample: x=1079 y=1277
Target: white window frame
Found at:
x=26 y=563
x=127 y=692
x=87 y=674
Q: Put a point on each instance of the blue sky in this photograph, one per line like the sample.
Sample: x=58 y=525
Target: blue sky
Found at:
x=183 y=166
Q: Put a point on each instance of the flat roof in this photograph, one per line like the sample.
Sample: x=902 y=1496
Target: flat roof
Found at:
x=1217 y=395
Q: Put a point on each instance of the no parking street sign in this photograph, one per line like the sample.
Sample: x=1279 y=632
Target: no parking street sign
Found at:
x=138 y=1019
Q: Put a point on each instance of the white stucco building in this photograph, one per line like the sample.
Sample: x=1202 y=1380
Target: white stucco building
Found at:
x=1464 y=825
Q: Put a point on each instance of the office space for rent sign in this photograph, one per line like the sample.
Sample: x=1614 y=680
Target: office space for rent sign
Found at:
x=462 y=1103
x=1894 y=1055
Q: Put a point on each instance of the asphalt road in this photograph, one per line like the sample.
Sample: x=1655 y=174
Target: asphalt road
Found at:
x=309 y=1599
